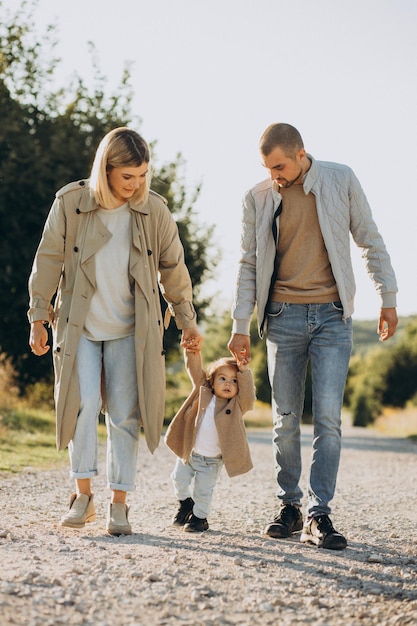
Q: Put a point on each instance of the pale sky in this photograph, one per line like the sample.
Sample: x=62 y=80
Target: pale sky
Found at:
x=210 y=76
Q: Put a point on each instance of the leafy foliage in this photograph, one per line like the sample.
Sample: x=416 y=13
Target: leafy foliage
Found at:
x=385 y=376
x=169 y=183
x=48 y=138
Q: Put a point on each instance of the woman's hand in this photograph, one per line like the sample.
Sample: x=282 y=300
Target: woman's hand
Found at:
x=191 y=340
x=38 y=339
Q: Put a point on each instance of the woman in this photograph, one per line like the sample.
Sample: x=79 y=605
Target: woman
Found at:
x=107 y=243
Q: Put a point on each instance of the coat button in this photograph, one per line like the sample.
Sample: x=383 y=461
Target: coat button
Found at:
x=163 y=353
x=149 y=252
x=58 y=349
x=75 y=249
x=228 y=411
x=81 y=183
x=77 y=211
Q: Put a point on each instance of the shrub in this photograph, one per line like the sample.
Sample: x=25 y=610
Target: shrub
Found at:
x=9 y=390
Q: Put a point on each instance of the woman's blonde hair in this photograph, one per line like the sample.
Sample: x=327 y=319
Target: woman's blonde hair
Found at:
x=121 y=147
x=212 y=368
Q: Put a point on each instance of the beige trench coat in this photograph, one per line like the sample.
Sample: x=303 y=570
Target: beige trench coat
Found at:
x=228 y=417
x=64 y=267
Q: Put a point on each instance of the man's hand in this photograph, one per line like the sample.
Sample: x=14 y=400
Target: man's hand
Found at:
x=387 y=324
x=38 y=339
x=239 y=346
x=191 y=340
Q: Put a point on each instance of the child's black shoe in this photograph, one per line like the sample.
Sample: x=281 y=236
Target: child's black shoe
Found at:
x=196 y=525
x=184 y=512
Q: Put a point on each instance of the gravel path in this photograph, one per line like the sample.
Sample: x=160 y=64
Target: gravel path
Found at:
x=232 y=574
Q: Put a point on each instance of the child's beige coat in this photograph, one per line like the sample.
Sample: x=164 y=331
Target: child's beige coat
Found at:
x=228 y=417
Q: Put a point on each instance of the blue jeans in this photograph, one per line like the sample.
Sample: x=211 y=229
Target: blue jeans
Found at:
x=117 y=359
x=297 y=334
x=205 y=471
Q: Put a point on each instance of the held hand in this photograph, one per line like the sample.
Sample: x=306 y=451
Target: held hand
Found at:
x=38 y=339
x=239 y=346
x=387 y=324
x=191 y=340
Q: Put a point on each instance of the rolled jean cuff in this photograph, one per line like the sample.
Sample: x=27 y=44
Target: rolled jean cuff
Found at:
x=80 y=475
x=121 y=487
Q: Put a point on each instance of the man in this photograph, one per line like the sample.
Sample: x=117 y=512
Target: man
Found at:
x=296 y=267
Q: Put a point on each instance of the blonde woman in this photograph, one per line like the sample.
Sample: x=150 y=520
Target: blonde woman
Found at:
x=107 y=244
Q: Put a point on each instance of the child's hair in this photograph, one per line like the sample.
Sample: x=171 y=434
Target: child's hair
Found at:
x=212 y=368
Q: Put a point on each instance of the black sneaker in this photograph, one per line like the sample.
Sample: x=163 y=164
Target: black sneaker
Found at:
x=289 y=520
x=319 y=530
x=184 y=512
x=196 y=525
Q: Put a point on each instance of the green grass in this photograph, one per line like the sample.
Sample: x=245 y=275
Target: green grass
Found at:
x=27 y=436
x=398 y=423
x=27 y=440
x=259 y=417
x=22 y=420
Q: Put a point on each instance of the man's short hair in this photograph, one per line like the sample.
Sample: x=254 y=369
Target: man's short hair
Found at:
x=282 y=136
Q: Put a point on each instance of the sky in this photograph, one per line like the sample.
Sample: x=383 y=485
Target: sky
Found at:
x=209 y=77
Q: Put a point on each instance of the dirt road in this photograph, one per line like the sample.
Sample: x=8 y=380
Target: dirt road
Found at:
x=232 y=574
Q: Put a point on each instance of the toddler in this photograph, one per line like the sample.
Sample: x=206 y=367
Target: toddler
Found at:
x=208 y=432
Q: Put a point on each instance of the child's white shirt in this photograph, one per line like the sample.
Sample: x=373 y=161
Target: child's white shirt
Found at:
x=207 y=439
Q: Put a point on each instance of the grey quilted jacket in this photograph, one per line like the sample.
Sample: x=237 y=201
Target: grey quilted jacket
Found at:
x=342 y=209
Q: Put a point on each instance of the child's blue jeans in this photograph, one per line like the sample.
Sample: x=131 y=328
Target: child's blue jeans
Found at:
x=204 y=470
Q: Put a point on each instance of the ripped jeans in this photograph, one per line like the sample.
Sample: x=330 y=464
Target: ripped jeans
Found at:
x=297 y=334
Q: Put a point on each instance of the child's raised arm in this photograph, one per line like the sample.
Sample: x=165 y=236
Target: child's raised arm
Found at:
x=247 y=391
x=194 y=363
x=192 y=344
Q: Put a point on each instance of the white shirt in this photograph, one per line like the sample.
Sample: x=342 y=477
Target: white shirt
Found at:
x=112 y=309
x=207 y=439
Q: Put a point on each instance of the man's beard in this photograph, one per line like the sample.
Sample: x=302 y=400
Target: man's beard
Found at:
x=289 y=183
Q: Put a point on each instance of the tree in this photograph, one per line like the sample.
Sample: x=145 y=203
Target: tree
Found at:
x=48 y=138
x=401 y=376
x=169 y=183
x=385 y=376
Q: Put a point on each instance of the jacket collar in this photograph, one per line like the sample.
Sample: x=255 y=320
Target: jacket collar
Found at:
x=311 y=176
x=88 y=203
x=309 y=180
